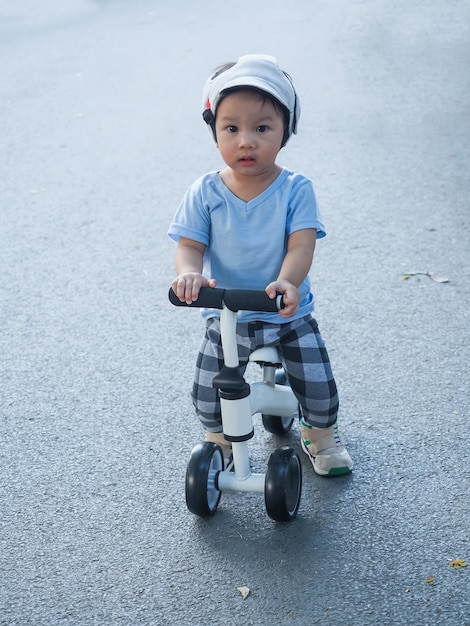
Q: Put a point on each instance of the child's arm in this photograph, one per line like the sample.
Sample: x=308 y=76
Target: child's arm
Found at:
x=295 y=267
x=188 y=264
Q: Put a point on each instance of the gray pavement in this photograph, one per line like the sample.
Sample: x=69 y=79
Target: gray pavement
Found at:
x=101 y=135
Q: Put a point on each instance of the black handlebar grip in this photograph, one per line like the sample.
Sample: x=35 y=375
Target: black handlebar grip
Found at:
x=211 y=298
x=246 y=300
x=234 y=299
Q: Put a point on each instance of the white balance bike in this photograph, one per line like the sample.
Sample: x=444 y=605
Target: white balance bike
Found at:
x=206 y=477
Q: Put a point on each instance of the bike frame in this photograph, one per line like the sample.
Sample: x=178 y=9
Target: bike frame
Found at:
x=237 y=412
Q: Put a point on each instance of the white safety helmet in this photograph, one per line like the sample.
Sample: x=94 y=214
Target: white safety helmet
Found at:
x=256 y=71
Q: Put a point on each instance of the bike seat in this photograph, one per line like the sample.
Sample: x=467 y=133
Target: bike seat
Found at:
x=268 y=354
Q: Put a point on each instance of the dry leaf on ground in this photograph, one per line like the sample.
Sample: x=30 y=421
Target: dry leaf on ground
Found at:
x=432 y=276
x=244 y=591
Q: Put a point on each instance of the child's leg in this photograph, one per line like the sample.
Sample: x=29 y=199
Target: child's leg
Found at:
x=308 y=368
x=209 y=363
x=205 y=396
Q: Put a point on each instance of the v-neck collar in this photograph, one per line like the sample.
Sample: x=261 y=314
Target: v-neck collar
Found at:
x=251 y=204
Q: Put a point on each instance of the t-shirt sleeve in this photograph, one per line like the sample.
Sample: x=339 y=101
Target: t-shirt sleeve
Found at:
x=303 y=209
x=192 y=219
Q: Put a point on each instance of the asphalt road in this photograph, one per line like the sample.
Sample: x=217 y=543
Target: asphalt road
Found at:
x=101 y=135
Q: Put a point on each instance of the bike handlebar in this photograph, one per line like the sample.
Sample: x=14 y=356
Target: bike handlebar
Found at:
x=233 y=299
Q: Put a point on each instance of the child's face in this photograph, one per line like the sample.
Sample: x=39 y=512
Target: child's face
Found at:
x=249 y=133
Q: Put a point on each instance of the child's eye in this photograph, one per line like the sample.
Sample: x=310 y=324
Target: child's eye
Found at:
x=232 y=129
x=261 y=129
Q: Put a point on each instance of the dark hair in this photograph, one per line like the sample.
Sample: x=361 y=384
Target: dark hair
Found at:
x=265 y=96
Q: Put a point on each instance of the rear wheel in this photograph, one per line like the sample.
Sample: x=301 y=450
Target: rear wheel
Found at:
x=283 y=485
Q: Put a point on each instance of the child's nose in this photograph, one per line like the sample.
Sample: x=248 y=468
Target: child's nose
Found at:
x=247 y=139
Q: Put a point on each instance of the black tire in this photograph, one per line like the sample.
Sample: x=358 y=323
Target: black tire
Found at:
x=283 y=485
x=274 y=423
x=202 y=493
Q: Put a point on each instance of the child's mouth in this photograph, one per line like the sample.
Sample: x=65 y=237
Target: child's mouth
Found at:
x=247 y=160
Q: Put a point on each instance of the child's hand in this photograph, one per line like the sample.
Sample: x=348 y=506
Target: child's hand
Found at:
x=290 y=296
x=187 y=286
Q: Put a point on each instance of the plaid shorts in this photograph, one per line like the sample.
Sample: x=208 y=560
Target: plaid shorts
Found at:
x=303 y=357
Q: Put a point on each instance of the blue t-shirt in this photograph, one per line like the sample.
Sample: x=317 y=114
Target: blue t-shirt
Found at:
x=246 y=242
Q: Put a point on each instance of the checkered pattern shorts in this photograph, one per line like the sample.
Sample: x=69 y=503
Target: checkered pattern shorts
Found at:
x=303 y=356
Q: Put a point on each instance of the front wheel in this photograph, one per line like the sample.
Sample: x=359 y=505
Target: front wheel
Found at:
x=283 y=485
x=202 y=493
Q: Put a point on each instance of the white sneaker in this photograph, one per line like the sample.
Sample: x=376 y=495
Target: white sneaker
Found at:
x=325 y=449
